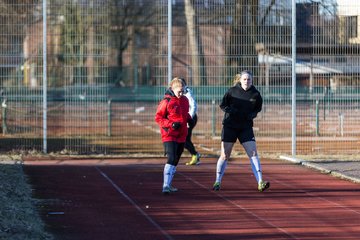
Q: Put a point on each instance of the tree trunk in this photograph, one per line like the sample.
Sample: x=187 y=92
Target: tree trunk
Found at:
x=197 y=56
x=243 y=37
x=90 y=56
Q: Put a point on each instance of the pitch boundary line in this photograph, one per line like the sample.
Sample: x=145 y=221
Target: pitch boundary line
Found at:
x=240 y=207
x=321 y=198
x=119 y=190
x=298 y=161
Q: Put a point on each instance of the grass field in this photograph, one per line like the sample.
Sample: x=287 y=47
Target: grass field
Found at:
x=19 y=218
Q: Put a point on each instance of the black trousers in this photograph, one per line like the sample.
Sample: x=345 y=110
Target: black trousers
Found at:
x=188 y=144
x=173 y=151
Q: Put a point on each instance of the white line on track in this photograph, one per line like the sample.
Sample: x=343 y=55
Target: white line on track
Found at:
x=240 y=207
x=314 y=196
x=134 y=204
x=305 y=163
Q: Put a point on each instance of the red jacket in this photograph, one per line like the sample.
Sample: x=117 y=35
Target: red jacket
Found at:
x=172 y=109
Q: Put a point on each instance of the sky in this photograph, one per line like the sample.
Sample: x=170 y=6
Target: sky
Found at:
x=349 y=7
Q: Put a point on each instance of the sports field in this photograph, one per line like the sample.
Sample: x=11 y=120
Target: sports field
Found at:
x=81 y=82
x=120 y=198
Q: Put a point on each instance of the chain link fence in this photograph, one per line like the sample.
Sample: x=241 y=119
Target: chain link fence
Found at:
x=107 y=68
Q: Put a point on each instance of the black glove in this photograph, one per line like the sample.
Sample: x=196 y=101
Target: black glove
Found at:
x=191 y=122
x=252 y=115
x=231 y=110
x=175 y=125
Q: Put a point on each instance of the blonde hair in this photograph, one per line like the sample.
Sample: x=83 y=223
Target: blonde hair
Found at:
x=239 y=75
x=236 y=79
x=176 y=82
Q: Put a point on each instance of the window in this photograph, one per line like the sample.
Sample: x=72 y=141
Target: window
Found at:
x=351 y=26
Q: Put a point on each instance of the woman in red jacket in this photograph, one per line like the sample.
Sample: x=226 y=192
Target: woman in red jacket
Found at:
x=172 y=116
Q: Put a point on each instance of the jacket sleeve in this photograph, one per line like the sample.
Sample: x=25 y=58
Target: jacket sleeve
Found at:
x=187 y=107
x=161 y=115
x=225 y=104
x=257 y=107
x=192 y=103
x=259 y=103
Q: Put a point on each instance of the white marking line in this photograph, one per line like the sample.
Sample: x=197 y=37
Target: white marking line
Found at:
x=135 y=205
x=310 y=194
x=240 y=207
x=314 y=196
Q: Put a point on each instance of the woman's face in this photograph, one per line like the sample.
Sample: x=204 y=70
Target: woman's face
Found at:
x=178 y=91
x=246 y=81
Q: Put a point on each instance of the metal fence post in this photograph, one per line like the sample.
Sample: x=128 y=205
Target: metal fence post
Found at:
x=213 y=125
x=341 y=124
x=324 y=102
x=3 y=117
x=317 y=118
x=109 y=118
x=44 y=88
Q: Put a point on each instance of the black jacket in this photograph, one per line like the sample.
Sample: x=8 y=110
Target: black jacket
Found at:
x=241 y=106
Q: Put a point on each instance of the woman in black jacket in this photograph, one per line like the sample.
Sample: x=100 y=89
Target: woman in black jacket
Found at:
x=241 y=104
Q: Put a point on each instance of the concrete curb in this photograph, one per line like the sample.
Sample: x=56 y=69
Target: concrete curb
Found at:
x=318 y=167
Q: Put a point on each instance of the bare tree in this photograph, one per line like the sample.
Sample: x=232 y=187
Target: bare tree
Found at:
x=74 y=38
x=243 y=36
x=196 y=49
x=128 y=19
x=12 y=13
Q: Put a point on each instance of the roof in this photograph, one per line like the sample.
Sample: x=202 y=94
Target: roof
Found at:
x=301 y=67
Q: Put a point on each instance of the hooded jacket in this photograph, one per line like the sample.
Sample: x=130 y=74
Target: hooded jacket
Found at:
x=241 y=106
x=172 y=109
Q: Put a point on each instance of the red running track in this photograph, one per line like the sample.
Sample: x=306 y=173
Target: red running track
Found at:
x=122 y=199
